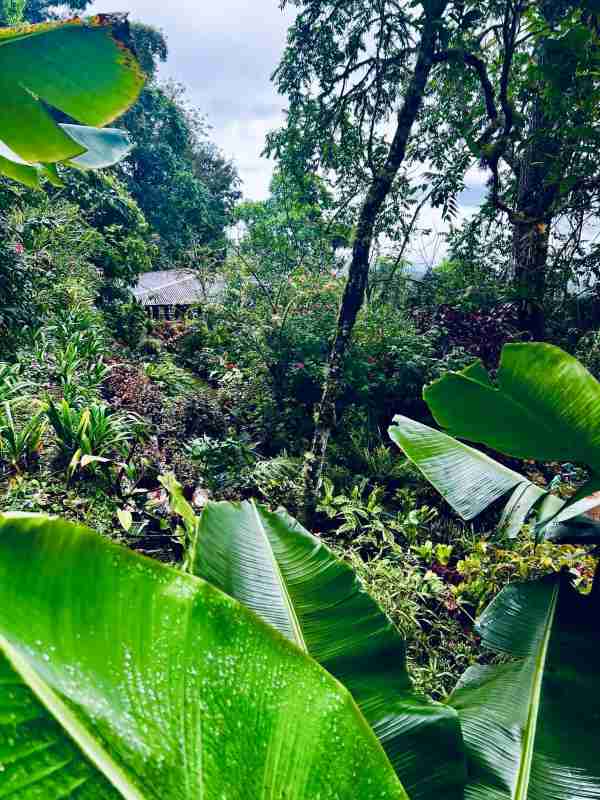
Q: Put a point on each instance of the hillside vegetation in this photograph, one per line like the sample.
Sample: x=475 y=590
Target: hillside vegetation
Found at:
x=333 y=530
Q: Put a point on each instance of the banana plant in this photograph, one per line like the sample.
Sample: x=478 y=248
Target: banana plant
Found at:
x=121 y=677
x=289 y=578
x=545 y=405
x=84 y=69
x=532 y=726
x=520 y=741
x=275 y=567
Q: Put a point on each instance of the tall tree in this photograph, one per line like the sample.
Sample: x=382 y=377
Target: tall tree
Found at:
x=297 y=227
x=521 y=92
x=356 y=75
x=180 y=181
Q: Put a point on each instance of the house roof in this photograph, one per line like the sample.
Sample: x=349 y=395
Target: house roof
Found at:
x=169 y=287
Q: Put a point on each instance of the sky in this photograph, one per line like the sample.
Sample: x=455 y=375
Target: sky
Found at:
x=224 y=52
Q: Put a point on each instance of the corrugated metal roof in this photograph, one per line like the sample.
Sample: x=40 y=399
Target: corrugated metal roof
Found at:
x=170 y=287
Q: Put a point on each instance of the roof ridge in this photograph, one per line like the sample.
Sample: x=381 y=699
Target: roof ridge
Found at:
x=166 y=285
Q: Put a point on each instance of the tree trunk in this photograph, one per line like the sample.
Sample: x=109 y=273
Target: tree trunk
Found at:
x=536 y=193
x=354 y=292
x=530 y=228
x=530 y=254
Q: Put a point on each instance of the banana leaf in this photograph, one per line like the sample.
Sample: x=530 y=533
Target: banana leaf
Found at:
x=275 y=567
x=85 y=70
x=470 y=481
x=123 y=677
x=545 y=406
x=531 y=726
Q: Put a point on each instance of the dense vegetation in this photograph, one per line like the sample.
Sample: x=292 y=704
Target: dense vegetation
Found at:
x=436 y=635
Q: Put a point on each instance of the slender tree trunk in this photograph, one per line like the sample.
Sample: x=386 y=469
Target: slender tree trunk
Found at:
x=354 y=292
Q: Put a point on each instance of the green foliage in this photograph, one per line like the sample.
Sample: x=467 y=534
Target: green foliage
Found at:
x=466 y=282
x=26 y=274
x=150 y=47
x=362 y=515
x=20 y=445
x=78 y=373
x=278 y=479
x=298 y=577
x=95 y=96
x=533 y=379
x=522 y=696
x=184 y=187
x=433 y=600
x=11 y=12
x=291 y=230
x=527 y=404
x=261 y=352
x=12 y=384
x=93 y=430
x=127 y=322
x=266 y=345
x=219 y=662
x=42 y=10
x=71 y=351
x=225 y=464
x=172 y=379
x=316 y=601
x=124 y=247
x=390 y=362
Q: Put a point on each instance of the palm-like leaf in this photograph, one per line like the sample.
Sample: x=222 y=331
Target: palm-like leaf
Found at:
x=470 y=481
x=271 y=564
x=84 y=70
x=546 y=406
x=121 y=677
x=531 y=727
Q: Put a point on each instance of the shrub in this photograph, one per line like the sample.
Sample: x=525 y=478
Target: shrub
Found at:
x=127 y=387
x=480 y=334
x=21 y=445
x=92 y=430
x=225 y=464
x=197 y=414
x=389 y=363
x=279 y=480
x=171 y=379
x=127 y=322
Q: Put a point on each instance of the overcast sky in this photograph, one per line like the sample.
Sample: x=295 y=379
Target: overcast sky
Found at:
x=225 y=51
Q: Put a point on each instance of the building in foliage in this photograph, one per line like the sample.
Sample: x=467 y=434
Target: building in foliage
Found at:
x=168 y=294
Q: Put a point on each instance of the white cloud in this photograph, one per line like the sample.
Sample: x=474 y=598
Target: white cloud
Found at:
x=225 y=51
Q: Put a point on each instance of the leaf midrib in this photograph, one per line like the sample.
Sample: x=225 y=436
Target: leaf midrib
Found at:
x=294 y=621
x=524 y=776
x=65 y=717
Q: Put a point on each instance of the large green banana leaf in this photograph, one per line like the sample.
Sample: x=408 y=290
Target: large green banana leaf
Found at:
x=85 y=70
x=470 y=481
x=546 y=406
x=122 y=677
x=271 y=564
x=532 y=726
